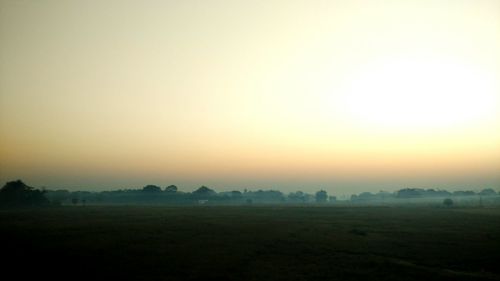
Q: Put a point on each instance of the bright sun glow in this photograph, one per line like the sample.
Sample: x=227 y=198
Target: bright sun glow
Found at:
x=237 y=93
x=409 y=94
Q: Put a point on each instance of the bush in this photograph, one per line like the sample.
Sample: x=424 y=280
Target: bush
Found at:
x=448 y=202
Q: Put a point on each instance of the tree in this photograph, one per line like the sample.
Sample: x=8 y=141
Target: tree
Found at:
x=267 y=196
x=464 y=193
x=448 y=202
x=203 y=192
x=487 y=192
x=17 y=194
x=151 y=188
x=171 y=188
x=74 y=201
x=298 y=196
x=321 y=196
x=236 y=194
x=410 y=193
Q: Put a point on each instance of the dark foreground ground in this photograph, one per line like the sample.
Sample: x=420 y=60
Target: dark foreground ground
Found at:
x=251 y=243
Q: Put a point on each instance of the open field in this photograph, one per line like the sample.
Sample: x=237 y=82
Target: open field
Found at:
x=253 y=243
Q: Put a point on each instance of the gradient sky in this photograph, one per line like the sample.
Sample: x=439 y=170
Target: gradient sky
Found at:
x=347 y=96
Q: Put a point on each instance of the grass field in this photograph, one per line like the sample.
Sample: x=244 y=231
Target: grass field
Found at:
x=252 y=243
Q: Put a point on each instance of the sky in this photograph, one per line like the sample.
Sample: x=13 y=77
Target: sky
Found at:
x=345 y=96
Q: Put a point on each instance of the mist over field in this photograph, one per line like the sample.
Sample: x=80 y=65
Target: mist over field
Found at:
x=157 y=233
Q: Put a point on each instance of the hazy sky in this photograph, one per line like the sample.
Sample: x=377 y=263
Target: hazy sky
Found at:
x=347 y=96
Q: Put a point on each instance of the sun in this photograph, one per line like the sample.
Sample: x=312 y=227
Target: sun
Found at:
x=416 y=93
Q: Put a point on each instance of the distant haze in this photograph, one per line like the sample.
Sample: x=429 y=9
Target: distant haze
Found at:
x=347 y=96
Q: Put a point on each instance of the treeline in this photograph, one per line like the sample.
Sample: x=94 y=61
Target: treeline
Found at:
x=16 y=193
x=413 y=193
x=152 y=194
x=486 y=196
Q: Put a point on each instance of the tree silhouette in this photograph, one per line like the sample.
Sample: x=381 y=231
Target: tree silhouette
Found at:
x=236 y=194
x=203 y=192
x=448 y=202
x=151 y=188
x=171 y=188
x=487 y=192
x=321 y=196
x=16 y=194
x=298 y=196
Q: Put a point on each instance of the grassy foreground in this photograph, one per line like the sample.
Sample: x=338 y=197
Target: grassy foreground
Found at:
x=252 y=243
